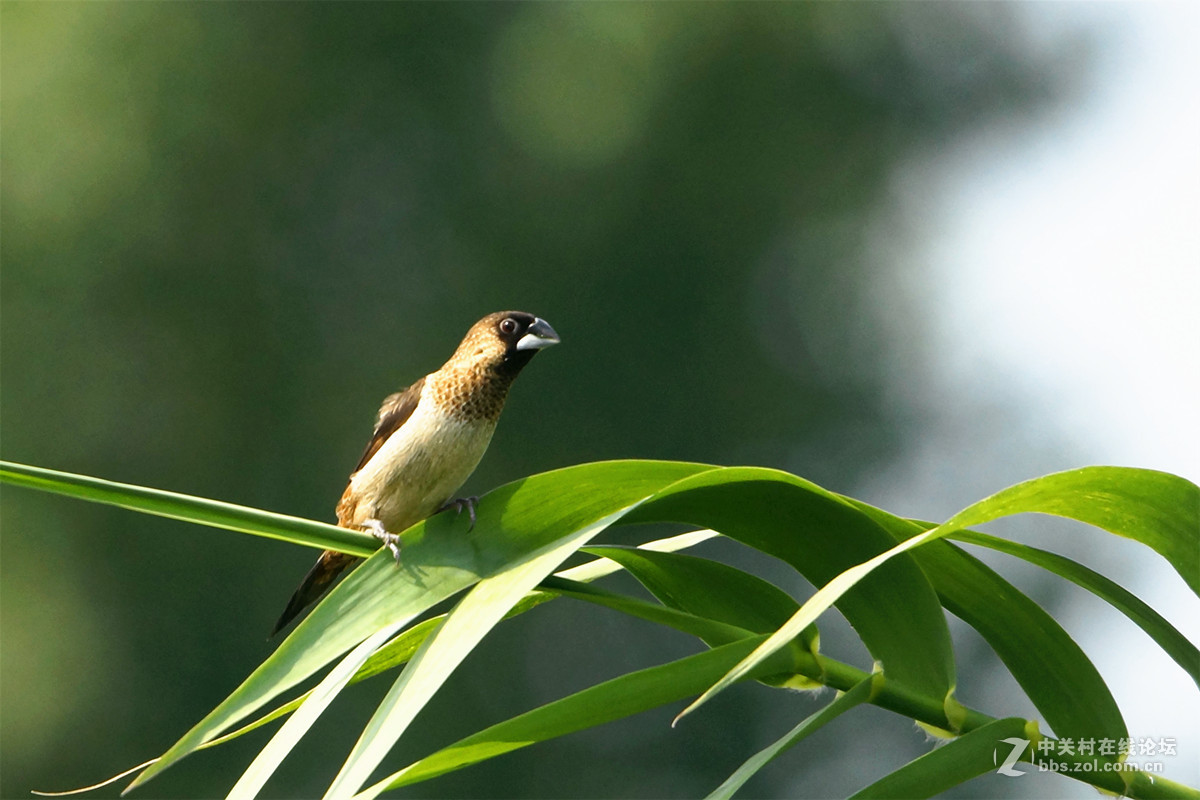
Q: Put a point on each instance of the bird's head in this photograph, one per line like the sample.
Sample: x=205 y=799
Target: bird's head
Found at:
x=505 y=341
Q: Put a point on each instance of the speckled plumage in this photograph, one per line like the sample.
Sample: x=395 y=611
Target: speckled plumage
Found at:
x=429 y=438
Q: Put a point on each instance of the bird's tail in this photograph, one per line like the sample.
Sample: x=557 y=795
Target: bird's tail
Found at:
x=328 y=567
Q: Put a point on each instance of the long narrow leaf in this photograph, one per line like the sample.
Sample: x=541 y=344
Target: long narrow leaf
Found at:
x=315 y=703
x=710 y=631
x=439 y=561
x=705 y=588
x=1050 y=666
x=612 y=700
x=812 y=723
x=1166 y=635
x=184 y=507
x=1053 y=670
x=821 y=534
x=1158 y=509
x=1095 y=495
x=716 y=591
x=958 y=761
x=400 y=649
x=465 y=626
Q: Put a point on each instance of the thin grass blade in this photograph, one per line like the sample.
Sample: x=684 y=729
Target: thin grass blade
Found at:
x=612 y=700
x=187 y=508
x=1121 y=500
x=841 y=704
x=957 y=761
x=464 y=627
x=315 y=703
x=1165 y=635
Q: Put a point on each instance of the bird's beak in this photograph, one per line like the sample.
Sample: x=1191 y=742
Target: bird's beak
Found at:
x=539 y=335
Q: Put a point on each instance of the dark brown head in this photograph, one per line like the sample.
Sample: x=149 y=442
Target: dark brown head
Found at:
x=475 y=381
x=503 y=342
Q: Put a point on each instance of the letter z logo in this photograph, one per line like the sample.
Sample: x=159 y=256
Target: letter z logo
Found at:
x=1018 y=748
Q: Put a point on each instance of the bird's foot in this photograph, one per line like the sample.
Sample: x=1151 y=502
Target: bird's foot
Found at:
x=459 y=503
x=390 y=540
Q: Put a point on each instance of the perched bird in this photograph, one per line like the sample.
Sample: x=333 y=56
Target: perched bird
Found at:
x=428 y=440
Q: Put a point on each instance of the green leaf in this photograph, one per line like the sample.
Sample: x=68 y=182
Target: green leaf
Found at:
x=1166 y=635
x=1118 y=499
x=958 y=761
x=1053 y=670
x=464 y=627
x=710 y=631
x=708 y=588
x=821 y=534
x=314 y=705
x=172 y=505
x=841 y=704
x=1158 y=509
x=439 y=561
x=614 y=699
x=570 y=582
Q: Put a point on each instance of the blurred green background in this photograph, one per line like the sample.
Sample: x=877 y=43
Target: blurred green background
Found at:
x=230 y=229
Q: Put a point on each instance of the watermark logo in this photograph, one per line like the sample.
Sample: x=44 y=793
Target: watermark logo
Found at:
x=1009 y=751
x=1017 y=748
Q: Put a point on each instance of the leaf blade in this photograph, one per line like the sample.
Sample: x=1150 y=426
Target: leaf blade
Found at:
x=512 y=519
x=811 y=724
x=948 y=765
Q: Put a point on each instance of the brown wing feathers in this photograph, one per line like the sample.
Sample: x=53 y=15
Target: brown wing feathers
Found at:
x=394 y=412
x=470 y=390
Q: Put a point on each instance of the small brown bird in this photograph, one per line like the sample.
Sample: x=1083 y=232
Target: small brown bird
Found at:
x=428 y=440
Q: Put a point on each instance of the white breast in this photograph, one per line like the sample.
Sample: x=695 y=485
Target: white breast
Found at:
x=419 y=467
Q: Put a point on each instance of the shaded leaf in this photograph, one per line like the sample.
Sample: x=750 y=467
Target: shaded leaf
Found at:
x=957 y=761
x=614 y=699
x=812 y=723
x=1166 y=635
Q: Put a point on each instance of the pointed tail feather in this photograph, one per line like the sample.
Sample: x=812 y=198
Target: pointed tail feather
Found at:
x=315 y=583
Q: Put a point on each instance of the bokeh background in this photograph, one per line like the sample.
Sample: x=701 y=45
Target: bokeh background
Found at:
x=913 y=252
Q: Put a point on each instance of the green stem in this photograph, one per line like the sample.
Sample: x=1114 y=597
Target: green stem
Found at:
x=900 y=699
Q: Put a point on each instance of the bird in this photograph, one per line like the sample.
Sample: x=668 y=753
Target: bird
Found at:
x=427 y=441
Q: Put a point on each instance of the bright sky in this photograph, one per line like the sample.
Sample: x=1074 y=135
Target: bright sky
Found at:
x=1065 y=268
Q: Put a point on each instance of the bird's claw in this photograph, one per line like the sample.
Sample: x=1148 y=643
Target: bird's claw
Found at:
x=390 y=540
x=459 y=503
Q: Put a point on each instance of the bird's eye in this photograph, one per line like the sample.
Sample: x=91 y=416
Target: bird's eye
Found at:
x=508 y=326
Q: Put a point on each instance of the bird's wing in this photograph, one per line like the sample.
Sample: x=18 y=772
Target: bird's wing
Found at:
x=396 y=409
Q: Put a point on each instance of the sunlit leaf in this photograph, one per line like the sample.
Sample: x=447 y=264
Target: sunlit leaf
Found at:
x=1156 y=508
x=189 y=509
x=465 y=626
x=439 y=561
x=820 y=534
x=297 y=725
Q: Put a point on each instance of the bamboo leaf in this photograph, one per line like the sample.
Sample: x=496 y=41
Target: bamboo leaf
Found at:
x=573 y=583
x=821 y=534
x=812 y=723
x=186 y=508
x=439 y=561
x=1152 y=507
x=614 y=699
x=464 y=627
x=1049 y=665
x=705 y=588
x=957 y=761
x=1158 y=509
x=1166 y=635
x=315 y=703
